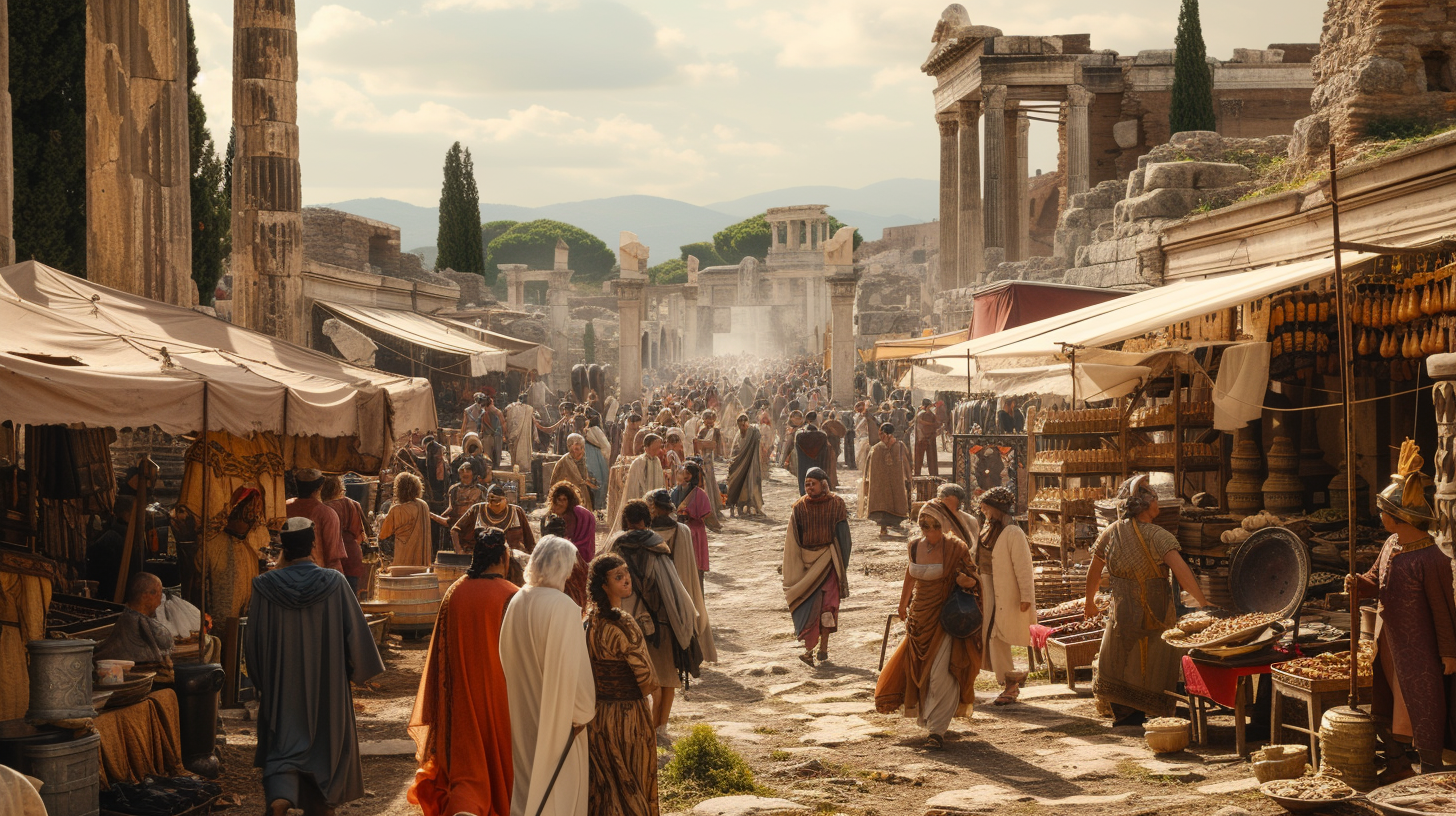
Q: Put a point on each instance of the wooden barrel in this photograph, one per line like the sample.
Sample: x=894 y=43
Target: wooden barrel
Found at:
x=413 y=601
x=447 y=574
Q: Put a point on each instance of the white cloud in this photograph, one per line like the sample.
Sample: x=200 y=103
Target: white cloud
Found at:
x=865 y=121
x=333 y=21
x=701 y=72
x=670 y=37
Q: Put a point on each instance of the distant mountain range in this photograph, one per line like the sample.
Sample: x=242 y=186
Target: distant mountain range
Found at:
x=666 y=224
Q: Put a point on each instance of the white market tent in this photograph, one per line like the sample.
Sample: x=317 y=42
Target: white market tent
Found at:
x=74 y=352
x=420 y=330
x=1027 y=358
x=525 y=355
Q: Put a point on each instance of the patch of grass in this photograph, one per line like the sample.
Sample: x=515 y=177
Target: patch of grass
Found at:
x=703 y=768
x=1402 y=128
x=826 y=808
x=1260 y=162
x=1285 y=186
x=765 y=729
x=1128 y=769
x=780 y=755
x=1081 y=729
x=1211 y=204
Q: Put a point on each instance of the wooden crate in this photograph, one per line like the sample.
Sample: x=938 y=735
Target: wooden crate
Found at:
x=1073 y=652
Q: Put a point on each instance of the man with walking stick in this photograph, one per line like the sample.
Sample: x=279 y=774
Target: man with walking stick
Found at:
x=549 y=685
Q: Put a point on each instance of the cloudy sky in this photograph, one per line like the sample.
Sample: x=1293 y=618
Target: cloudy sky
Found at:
x=563 y=100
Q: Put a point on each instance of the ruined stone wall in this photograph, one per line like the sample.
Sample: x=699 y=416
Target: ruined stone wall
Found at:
x=350 y=241
x=1388 y=60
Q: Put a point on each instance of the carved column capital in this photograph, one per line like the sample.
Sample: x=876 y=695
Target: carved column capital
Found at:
x=630 y=289
x=968 y=112
x=842 y=286
x=1079 y=97
x=993 y=96
x=949 y=123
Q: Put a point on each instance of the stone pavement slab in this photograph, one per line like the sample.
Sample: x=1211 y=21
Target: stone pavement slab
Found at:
x=747 y=806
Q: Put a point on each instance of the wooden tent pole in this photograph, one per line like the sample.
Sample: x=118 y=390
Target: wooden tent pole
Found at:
x=1347 y=358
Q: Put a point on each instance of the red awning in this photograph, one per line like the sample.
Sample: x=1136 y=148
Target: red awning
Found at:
x=1017 y=303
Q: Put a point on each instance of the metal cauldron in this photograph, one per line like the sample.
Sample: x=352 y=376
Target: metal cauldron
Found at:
x=60 y=680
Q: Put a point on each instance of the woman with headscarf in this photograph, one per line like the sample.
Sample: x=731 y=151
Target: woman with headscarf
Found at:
x=932 y=675
x=1008 y=588
x=1134 y=665
x=693 y=509
x=571 y=467
x=461 y=723
x=598 y=457
x=708 y=444
x=408 y=523
x=621 y=738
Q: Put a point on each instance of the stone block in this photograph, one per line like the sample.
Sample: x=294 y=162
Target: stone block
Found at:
x=1258 y=56
x=1195 y=175
x=1155 y=57
x=1166 y=203
x=1311 y=140
x=1136 y=179
x=1125 y=133
x=1380 y=76
x=1103 y=196
x=1105 y=231
x=1101 y=253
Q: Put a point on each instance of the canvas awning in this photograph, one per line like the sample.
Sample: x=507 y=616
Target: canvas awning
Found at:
x=1095 y=381
x=1137 y=314
x=525 y=355
x=74 y=352
x=425 y=332
x=905 y=348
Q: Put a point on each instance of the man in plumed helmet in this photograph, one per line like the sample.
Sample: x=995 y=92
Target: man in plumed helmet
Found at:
x=1415 y=631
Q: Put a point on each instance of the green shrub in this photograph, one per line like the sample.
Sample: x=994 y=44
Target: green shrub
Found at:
x=1388 y=128
x=703 y=768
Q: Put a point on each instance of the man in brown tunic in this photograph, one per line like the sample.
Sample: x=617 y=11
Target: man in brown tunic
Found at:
x=927 y=428
x=887 y=473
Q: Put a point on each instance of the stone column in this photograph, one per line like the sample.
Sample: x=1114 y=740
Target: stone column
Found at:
x=7 y=149
x=971 y=228
x=1020 y=235
x=138 y=179
x=558 y=293
x=515 y=287
x=629 y=362
x=267 y=259
x=1079 y=141
x=993 y=106
x=691 y=347
x=842 y=285
x=1442 y=368
x=949 y=201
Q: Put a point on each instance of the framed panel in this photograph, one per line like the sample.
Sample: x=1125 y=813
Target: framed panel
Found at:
x=980 y=462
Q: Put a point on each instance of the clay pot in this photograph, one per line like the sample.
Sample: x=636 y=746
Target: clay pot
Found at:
x=1168 y=739
x=1283 y=456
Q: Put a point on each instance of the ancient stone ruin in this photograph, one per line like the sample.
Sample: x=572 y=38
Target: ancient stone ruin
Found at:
x=1383 y=65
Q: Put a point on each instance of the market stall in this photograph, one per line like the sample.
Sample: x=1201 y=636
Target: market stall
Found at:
x=80 y=362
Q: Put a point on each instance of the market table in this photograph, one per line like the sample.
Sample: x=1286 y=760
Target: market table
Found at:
x=1226 y=685
x=141 y=739
x=1317 y=699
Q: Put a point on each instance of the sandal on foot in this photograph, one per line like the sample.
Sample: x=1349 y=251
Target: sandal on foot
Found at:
x=1007 y=697
x=934 y=742
x=823 y=656
x=808 y=659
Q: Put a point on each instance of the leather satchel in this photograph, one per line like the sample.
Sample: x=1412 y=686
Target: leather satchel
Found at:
x=960 y=615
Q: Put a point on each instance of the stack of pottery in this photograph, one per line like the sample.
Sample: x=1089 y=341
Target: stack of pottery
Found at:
x=1283 y=490
x=1245 y=492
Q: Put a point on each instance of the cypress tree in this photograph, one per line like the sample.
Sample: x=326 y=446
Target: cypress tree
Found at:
x=589 y=343
x=1192 y=107
x=211 y=208
x=458 y=240
x=48 y=98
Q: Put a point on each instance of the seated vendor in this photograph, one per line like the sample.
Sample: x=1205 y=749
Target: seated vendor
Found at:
x=138 y=636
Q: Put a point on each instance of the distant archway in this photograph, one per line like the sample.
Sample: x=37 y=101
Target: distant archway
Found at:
x=646 y=351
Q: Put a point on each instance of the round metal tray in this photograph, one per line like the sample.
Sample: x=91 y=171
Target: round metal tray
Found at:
x=1269 y=572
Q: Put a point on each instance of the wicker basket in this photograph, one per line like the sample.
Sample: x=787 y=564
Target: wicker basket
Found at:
x=1280 y=762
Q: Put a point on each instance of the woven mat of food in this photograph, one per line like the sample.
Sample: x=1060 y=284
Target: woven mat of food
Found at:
x=1431 y=793
x=1309 y=788
x=1218 y=631
x=1332 y=666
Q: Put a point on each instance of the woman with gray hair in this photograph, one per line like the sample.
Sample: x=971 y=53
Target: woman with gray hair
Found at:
x=1134 y=665
x=572 y=468
x=549 y=685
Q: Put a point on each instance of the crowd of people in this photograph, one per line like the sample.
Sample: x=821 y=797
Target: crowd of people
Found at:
x=554 y=662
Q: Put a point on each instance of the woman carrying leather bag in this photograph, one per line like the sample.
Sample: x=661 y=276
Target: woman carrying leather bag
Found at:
x=932 y=674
